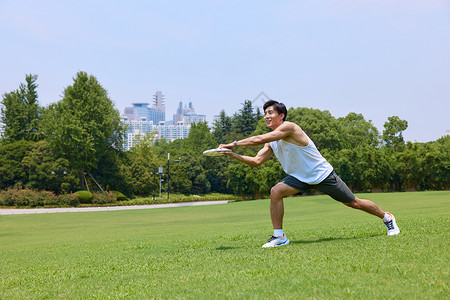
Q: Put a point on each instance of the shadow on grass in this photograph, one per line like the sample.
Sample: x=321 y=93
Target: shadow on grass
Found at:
x=331 y=239
x=318 y=240
x=223 y=248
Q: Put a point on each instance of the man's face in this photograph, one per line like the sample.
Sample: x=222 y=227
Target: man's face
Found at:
x=272 y=118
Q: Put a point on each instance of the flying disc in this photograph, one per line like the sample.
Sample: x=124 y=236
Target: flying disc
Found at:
x=216 y=152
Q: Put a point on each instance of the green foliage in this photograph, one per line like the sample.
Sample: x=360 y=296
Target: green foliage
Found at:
x=70 y=200
x=103 y=197
x=392 y=133
x=84 y=196
x=245 y=120
x=199 y=139
x=83 y=134
x=84 y=124
x=119 y=196
x=11 y=170
x=47 y=172
x=20 y=112
x=320 y=126
x=24 y=197
x=356 y=131
x=222 y=128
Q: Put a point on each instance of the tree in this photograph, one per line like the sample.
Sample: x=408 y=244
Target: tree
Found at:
x=200 y=138
x=320 y=126
x=244 y=121
x=84 y=124
x=357 y=131
x=222 y=128
x=143 y=166
x=11 y=170
x=44 y=171
x=392 y=133
x=20 y=112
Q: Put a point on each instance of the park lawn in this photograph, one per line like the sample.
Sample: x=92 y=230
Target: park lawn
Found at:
x=215 y=252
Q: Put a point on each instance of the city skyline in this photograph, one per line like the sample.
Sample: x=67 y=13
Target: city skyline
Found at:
x=141 y=120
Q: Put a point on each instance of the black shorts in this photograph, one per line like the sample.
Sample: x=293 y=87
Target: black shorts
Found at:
x=332 y=186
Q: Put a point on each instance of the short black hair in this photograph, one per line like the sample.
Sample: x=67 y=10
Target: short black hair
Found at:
x=279 y=107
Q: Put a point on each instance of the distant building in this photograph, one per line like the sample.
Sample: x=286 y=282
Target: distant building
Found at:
x=142 y=120
x=187 y=115
x=159 y=101
x=162 y=131
x=156 y=113
x=141 y=110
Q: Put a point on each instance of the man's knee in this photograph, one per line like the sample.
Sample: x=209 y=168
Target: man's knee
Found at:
x=353 y=204
x=282 y=190
x=276 y=192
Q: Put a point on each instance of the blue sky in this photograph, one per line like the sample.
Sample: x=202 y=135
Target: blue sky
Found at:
x=375 y=57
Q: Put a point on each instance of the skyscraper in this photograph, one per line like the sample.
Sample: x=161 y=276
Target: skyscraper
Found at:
x=187 y=115
x=141 y=119
x=159 y=101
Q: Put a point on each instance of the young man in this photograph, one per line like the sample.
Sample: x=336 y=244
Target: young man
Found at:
x=306 y=169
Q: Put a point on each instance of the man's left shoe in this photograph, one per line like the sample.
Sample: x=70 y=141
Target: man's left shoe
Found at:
x=276 y=241
x=392 y=226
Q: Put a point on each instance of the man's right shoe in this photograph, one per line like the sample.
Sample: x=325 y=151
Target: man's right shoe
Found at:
x=276 y=241
x=392 y=226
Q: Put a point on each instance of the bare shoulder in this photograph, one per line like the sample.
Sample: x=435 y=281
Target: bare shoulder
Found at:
x=292 y=128
x=288 y=126
x=296 y=134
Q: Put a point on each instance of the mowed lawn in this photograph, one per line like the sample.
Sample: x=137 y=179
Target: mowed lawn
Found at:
x=215 y=251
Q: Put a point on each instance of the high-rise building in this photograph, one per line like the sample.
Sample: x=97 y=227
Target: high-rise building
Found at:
x=159 y=101
x=141 y=119
x=156 y=113
x=141 y=110
x=161 y=130
x=187 y=115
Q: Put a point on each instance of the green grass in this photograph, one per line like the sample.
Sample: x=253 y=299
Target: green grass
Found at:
x=215 y=252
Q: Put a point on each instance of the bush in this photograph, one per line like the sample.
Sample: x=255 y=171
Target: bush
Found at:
x=32 y=198
x=84 y=196
x=103 y=197
x=119 y=196
x=27 y=197
x=8 y=197
x=68 y=200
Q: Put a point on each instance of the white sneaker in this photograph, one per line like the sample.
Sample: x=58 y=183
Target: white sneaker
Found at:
x=392 y=226
x=276 y=241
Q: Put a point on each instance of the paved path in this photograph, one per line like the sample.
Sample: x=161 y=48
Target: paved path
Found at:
x=14 y=211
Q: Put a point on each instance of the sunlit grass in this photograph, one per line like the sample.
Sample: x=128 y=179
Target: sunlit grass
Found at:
x=215 y=252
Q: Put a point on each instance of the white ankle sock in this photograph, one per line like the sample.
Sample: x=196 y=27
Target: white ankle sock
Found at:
x=387 y=217
x=278 y=232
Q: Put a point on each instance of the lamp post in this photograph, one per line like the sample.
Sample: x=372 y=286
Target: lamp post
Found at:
x=153 y=180
x=160 y=172
x=168 y=174
x=59 y=172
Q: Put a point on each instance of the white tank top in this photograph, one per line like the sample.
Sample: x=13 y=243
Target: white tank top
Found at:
x=304 y=163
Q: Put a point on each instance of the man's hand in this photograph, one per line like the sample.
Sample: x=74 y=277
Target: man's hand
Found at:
x=227 y=146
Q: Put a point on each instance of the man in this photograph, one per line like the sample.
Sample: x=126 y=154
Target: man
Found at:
x=306 y=169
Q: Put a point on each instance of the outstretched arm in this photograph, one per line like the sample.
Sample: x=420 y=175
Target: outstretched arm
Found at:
x=283 y=131
x=262 y=156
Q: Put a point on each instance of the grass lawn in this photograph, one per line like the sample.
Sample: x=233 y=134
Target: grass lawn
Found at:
x=215 y=252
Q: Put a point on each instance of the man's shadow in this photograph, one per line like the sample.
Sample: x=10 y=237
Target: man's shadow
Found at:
x=318 y=240
x=331 y=239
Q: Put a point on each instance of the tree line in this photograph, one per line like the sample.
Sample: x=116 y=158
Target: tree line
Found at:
x=77 y=143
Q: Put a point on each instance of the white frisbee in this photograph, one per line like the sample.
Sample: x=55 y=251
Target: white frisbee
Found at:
x=216 y=152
